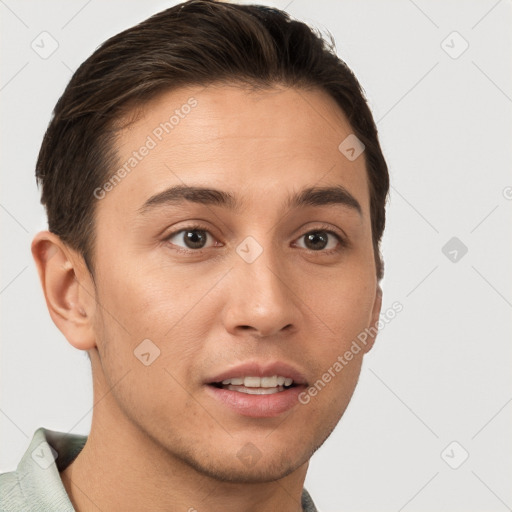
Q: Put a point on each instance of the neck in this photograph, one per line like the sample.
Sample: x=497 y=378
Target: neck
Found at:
x=122 y=468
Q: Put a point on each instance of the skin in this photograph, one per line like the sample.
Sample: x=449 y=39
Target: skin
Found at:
x=158 y=441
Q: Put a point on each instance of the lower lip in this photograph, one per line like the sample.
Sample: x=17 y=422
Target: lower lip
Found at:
x=257 y=406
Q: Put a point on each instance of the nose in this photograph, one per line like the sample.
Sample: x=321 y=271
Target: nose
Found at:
x=260 y=298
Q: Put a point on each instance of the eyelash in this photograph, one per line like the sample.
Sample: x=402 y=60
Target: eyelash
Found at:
x=197 y=227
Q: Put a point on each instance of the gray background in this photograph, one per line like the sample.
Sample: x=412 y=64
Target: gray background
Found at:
x=441 y=370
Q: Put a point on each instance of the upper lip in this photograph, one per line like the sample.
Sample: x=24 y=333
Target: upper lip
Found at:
x=260 y=369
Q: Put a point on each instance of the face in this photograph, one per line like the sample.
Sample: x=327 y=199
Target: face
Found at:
x=261 y=277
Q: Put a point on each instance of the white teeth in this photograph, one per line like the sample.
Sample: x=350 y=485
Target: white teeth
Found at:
x=259 y=382
x=252 y=382
x=269 y=382
x=255 y=391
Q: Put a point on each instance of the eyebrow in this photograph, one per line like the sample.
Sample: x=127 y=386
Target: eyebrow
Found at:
x=312 y=196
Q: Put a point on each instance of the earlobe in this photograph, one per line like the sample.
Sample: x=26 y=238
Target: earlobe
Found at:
x=67 y=298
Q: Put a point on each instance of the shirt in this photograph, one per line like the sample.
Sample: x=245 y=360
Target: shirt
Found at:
x=36 y=485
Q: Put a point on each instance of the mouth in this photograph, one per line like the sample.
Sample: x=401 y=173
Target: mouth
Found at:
x=254 y=385
x=258 y=390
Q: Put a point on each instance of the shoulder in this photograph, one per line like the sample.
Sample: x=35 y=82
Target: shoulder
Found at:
x=36 y=485
x=307 y=502
x=11 y=494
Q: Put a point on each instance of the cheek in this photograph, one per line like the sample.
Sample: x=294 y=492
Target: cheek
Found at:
x=329 y=394
x=142 y=300
x=162 y=306
x=343 y=305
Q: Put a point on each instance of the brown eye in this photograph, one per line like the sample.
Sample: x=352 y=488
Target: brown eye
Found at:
x=190 y=238
x=319 y=240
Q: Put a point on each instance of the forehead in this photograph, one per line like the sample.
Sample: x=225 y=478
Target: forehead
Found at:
x=251 y=143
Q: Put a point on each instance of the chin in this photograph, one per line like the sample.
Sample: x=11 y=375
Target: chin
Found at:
x=238 y=474
x=245 y=467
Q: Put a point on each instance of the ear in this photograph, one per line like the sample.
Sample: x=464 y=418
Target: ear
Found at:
x=68 y=289
x=373 y=328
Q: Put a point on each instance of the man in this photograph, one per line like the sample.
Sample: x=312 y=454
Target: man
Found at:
x=215 y=192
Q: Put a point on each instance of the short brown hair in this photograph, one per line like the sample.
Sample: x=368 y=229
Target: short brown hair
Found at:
x=198 y=42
